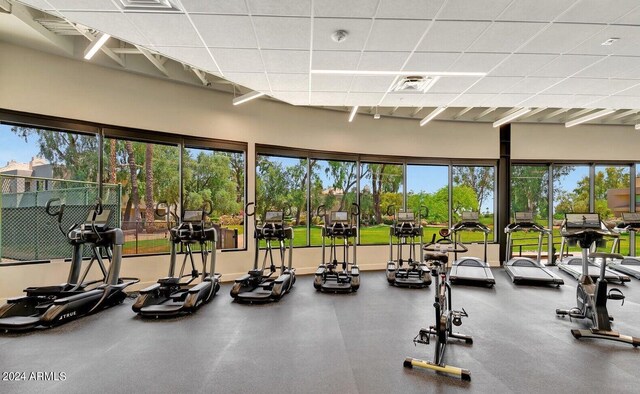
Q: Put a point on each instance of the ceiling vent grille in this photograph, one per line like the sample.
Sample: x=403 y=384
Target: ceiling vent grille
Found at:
x=414 y=84
x=148 y=5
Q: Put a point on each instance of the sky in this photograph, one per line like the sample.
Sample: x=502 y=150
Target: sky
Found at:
x=13 y=147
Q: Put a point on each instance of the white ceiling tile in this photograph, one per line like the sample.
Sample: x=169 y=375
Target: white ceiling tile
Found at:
x=289 y=82
x=341 y=8
x=293 y=98
x=631 y=18
x=619 y=102
x=283 y=33
x=255 y=81
x=382 y=61
x=506 y=100
x=614 y=67
x=227 y=31
x=626 y=45
x=505 y=36
x=363 y=99
x=598 y=11
x=358 y=30
x=470 y=100
x=82 y=5
x=280 y=7
x=631 y=90
x=587 y=101
x=494 y=84
x=566 y=65
x=280 y=61
x=550 y=100
x=215 y=7
x=335 y=60
x=437 y=99
x=532 y=85
x=408 y=9
x=590 y=86
x=477 y=10
x=154 y=27
x=330 y=83
x=39 y=4
x=197 y=57
x=403 y=100
x=451 y=36
x=477 y=62
x=535 y=11
x=238 y=60
x=114 y=23
x=396 y=35
x=560 y=38
x=452 y=85
x=522 y=64
x=431 y=61
x=370 y=83
x=328 y=98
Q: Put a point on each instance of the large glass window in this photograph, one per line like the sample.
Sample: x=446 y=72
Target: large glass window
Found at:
x=381 y=185
x=40 y=164
x=281 y=183
x=428 y=186
x=530 y=193
x=149 y=173
x=611 y=197
x=570 y=194
x=473 y=190
x=217 y=176
x=333 y=184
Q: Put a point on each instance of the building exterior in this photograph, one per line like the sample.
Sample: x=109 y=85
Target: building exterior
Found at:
x=38 y=167
x=618 y=199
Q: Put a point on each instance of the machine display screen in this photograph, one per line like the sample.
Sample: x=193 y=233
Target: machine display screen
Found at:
x=582 y=220
x=103 y=218
x=524 y=217
x=406 y=217
x=274 y=216
x=192 y=216
x=631 y=217
x=339 y=216
x=469 y=216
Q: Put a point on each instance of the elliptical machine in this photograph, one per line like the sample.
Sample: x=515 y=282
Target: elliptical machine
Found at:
x=407 y=230
x=445 y=317
x=50 y=306
x=340 y=226
x=256 y=286
x=585 y=230
x=171 y=296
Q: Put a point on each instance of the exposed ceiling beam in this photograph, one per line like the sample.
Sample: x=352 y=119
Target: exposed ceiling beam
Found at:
x=106 y=50
x=393 y=111
x=417 y=110
x=22 y=13
x=126 y=51
x=632 y=120
x=153 y=60
x=464 y=111
x=485 y=113
x=201 y=76
x=580 y=113
x=554 y=114
x=622 y=114
x=533 y=112
x=5 y=6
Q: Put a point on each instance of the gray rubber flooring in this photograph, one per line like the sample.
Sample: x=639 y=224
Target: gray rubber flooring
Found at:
x=325 y=343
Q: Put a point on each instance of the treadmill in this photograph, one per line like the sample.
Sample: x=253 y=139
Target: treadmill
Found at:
x=629 y=265
x=572 y=264
x=471 y=270
x=524 y=269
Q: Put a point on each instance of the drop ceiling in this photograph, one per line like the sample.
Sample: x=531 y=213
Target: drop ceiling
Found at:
x=543 y=53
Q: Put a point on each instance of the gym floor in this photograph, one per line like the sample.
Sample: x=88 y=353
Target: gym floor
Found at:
x=326 y=343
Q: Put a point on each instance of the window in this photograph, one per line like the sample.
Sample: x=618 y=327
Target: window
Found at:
x=217 y=176
x=530 y=193
x=149 y=173
x=281 y=183
x=570 y=190
x=42 y=164
x=333 y=184
x=381 y=185
x=611 y=197
x=429 y=186
x=473 y=190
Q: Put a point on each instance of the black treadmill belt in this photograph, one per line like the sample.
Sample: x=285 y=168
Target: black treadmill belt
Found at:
x=627 y=261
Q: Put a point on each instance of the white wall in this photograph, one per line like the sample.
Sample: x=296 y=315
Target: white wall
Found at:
x=36 y=82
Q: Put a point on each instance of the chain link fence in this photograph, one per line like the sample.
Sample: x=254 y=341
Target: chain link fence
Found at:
x=28 y=233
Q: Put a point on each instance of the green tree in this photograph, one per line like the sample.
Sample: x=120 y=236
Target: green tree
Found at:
x=480 y=179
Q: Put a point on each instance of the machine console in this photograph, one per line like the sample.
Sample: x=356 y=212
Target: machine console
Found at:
x=631 y=218
x=582 y=220
x=101 y=220
x=274 y=217
x=526 y=217
x=193 y=216
x=470 y=216
x=407 y=216
x=339 y=216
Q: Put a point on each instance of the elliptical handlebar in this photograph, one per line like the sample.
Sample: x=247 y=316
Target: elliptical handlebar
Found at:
x=324 y=211
x=389 y=211
x=246 y=209
x=207 y=212
x=97 y=210
x=355 y=209
x=57 y=213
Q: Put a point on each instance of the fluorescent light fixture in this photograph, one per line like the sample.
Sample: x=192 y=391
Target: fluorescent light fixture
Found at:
x=352 y=115
x=247 y=97
x=511 y=117
x=587 y=118
x=95 y=45
x=638 y=126
x=432 y=115
x=401 y=73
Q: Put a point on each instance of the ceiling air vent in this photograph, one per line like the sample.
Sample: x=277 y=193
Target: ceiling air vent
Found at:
x=148 y=5
x=416 y=83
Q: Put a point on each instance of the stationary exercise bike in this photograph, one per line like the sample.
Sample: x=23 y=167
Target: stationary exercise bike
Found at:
x=407 y=232
x=446 y=318
x=585 y=230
